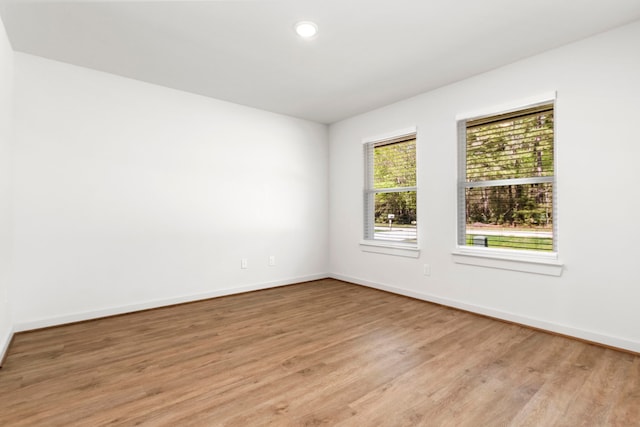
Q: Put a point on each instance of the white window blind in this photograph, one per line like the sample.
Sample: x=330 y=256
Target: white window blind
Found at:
x=506 y=186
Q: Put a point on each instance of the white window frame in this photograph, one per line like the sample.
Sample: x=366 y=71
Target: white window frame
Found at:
x=539 y=262
x=381 y=246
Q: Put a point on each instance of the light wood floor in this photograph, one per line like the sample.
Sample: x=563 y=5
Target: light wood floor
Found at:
x=323 y=352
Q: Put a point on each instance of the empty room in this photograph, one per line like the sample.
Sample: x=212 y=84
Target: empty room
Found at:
x=319 y=212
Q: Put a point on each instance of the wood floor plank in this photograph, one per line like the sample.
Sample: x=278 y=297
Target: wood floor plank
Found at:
x=317 y=353
x=624 y=408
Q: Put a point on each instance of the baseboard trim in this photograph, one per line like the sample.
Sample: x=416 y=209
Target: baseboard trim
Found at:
x=130 y=308
x=555 y=328
x=5 y=342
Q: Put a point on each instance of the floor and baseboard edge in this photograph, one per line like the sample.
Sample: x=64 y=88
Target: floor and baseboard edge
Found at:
x=543 y=325
x=5 y=342
x=555 y=328
x=147 y=305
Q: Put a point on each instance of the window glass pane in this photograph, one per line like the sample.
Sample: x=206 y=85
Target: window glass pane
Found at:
x=519 y=147
x=395 y=216
x=394 y=165
x=511 y=216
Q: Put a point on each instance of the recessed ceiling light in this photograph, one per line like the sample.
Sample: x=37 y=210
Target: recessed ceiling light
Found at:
x=306 y=29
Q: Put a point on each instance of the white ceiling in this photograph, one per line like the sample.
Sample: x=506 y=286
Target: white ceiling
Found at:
x=368 y=53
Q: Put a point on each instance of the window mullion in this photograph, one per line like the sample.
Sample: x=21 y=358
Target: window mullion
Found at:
x=392 y=190
x=512 y=181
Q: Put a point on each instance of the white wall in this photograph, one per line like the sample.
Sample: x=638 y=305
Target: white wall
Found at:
x=6 y=86
x=130 y=195
x=598 y=90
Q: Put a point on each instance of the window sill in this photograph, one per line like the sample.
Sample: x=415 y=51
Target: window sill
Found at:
x=389 y=248
x=538 y=263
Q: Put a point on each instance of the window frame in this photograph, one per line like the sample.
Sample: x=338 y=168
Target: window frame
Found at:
x=368 y=243
x=531 y=261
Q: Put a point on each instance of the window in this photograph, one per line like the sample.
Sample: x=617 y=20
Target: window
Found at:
x=506 y=181
x=390 y=192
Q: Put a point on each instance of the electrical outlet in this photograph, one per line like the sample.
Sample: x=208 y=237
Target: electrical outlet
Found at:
x=244 y=263
x=427 y=270
x=272 y=261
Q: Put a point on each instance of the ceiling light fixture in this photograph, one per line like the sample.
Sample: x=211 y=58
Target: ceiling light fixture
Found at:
x=306 y=29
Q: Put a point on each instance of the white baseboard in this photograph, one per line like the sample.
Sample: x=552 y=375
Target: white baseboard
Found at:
x=595 y=337
x=129 y=308
x=4 y=344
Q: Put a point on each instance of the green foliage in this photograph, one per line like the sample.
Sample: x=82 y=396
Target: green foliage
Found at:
x=519 y=147
x=402 y=205
x=395 y=167
x=514 y=148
